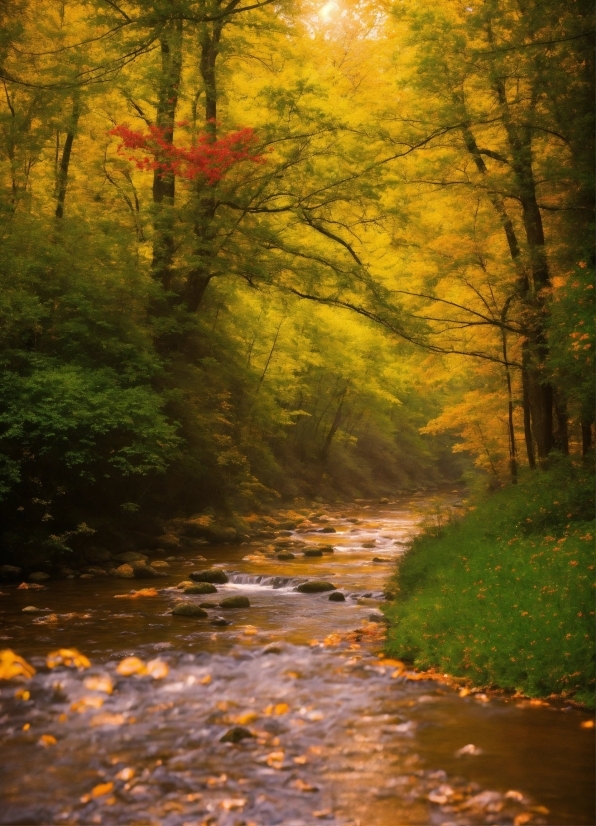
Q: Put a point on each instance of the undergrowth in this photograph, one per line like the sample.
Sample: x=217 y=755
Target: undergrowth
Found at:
x=504 y=595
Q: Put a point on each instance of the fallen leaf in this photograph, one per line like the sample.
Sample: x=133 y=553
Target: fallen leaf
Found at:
x=231 y=804
x=470 y=749
x=131 y=665
x=26 y=727
x=47 y=740
x=322 y=813
x=217 y=781
x=102 y=682
x=587 y=724
x=22 y=694
x=541 y=810
x=107 y=719
x=302 y=786
x=86 y=703
x=463 y=692
x=33 y=586
x=157 y=669
x=12 y=666
x=523 y=818
x=300 y=760
x=205 y=680
x=101 y=789
x=393 y=664
x=280 y=708
x=275 y=759
x=69 y=657
x=246 y=719
x=143 y=592
x=49 y=618
x=514 y=795
x=126 y=774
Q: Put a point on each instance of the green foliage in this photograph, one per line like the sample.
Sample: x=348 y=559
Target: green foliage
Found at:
x=504 y=595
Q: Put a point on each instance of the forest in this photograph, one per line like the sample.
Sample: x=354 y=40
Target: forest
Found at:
x=258 y=252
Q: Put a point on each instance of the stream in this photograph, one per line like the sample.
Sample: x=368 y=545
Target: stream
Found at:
x=319 y=729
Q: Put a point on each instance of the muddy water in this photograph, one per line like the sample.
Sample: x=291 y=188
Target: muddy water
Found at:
x=335 y=738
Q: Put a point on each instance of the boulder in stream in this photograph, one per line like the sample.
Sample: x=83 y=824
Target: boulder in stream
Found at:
x=188 y=609
x=315 y=586
x=143 y=571
x=132 y=556
x=38 y=576
x=328 y=529
x=285 y=555
x=220 y=622
x=313 y=552
x=337 y=596
x=235 y=602
x=123 y=572
x=213 y=575
x=200 y=588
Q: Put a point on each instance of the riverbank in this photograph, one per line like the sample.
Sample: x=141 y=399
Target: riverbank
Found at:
x=503 y=596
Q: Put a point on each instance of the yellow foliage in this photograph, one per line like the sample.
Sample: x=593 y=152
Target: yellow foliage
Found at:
x=12 y=666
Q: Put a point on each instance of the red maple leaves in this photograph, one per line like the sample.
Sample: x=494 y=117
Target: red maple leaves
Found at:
x=208 y=159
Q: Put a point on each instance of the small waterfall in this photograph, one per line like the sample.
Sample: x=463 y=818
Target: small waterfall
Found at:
x=265 y=581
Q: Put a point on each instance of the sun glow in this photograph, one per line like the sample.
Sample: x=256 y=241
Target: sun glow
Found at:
x=327 y=11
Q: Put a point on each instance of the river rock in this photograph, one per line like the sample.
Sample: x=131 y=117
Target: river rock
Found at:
x=235 y=602
x=285 y=555
x=215 y=575
x=285 y=533
x=379 y=559
x=159 y=563
x=315 y=586
x=378 y=617
x=208 y=605
x=200 y=588
x=188 y=609
x=327 y=549
x=184 y=584
x=236 y=734
x=220 y=622
x=328 y=529
x=123 y=572
x=369 y=544
x=169 y=541
x=383 y=500
x=8 y=573
x=144 y=571
x=38 y=576
x=132 y=556
x=313 y=552
x=337 y=596
x=31 y=609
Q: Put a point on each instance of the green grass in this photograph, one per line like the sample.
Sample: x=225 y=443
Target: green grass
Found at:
x=504 y=596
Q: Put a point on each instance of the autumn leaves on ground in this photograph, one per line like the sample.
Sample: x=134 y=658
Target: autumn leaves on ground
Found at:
x=258 y=253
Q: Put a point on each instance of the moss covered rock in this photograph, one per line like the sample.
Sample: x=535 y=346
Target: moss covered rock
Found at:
x=200 y=588
x=235 y=602
x=315 y=586
x=188 y=609
x=214 y=575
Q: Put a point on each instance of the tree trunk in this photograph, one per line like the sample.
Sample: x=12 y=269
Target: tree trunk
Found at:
x=62 y=178
x=164 y=183
x=334 y=426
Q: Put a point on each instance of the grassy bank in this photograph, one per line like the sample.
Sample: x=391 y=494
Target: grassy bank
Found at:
x=504 y=595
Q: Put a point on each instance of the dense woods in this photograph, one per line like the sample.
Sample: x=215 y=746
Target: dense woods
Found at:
x=254 y=250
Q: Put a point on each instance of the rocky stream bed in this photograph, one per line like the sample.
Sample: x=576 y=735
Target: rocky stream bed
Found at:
x=276 y=708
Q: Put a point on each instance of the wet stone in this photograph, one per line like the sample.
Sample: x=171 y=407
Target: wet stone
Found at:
x=284 y=555
x=213 y=575
x=337 y=596
x=132 y=556
x=38 y=576
x=315 y=586
x=200 y=588
x=8 y=573
x=208 y=605
x=123 y=572
x=236 y=735
x=235 y=602
x=188 y=609
x=143 y=571
x=313 y=552
x=328 y=529
x=220 y=622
